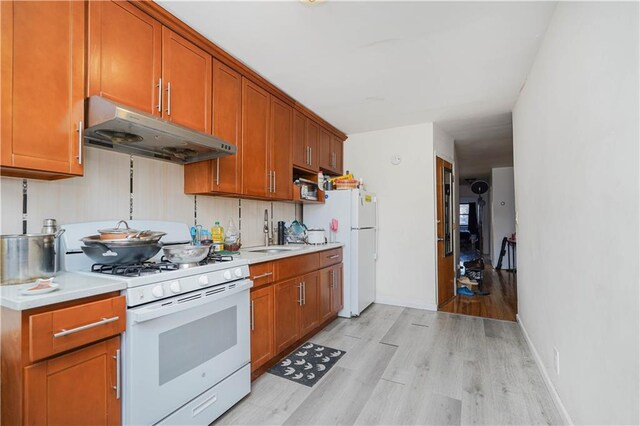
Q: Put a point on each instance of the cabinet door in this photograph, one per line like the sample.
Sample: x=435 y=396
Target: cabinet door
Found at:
x=325 y=153
x=337 y=301
x=255 y=138
x=186 y=76
x=76 y=388
x=326 y=290
x=300 y=158
x=262 y=327
x=125 y=48
x=280 y=150
x=227 y=125
x=287 y=313
x=336 y=149
x=310 y=310
x=313 y=133
x=43 y=85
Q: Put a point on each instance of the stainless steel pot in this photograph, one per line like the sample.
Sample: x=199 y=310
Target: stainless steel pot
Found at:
x=186 y=255
x=108 y=254
x=27 y=257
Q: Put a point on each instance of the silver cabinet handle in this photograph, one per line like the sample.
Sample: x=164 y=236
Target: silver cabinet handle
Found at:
x=117 y=387
x=300 y=294
x=262 y=275
x=217 y=172
x=169 y=98
x=333 y=277
x=440 y=239
x=269 y=177
x=80 y=131
x=274 y=181
x=253 y=317
x=103 y=321
x=159 y=95
x=310 y=155
x=304 y=293
x=335 y=256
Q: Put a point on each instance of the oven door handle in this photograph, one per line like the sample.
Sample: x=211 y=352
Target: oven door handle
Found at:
x=148 y=313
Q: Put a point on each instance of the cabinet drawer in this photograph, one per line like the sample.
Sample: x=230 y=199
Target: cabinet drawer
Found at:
x=330 y=257
x=296 y=265
x=64 y=329
x=261 y=274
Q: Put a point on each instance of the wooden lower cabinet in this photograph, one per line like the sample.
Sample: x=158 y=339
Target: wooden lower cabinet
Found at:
x=76 y=388
x=337 y=298
x=287 y=313
x=330 y=291
x=262 y=338
x=309 y=309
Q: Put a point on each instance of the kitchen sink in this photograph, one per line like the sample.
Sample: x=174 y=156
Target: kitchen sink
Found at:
x=273 y=249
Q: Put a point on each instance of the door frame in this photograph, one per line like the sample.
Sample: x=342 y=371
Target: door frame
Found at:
x=454 y=227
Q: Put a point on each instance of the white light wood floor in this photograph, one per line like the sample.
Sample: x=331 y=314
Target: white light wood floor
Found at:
x=407 y=366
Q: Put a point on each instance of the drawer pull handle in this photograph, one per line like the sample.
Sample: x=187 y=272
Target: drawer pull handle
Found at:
x=335 y=256
x=262 y=276
x=64 y=332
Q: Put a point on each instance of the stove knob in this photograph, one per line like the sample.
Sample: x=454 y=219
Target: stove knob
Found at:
x=203 y=280
x=157 y=291
x=175 y=286
x=238 y=272
x=227 y=275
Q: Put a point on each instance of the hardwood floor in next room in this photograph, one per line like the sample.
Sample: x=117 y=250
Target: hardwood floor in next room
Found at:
x=408 y=366
x=501 y=303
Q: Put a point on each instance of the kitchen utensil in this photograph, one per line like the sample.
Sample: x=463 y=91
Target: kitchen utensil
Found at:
x=296 y=233
x=186 y=255
x=315 y=236
x=144 y=237
x=114 y=254
x=117 y=233
x=27 y=257
x=334 y=229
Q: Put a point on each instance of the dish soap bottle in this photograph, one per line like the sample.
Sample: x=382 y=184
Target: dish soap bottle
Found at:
x=217 y=236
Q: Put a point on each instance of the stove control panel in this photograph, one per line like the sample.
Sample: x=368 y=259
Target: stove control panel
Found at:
x=184 y=284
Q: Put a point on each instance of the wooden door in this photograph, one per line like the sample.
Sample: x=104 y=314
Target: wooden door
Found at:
x=76 y=388
x=280 y=150
x=325 y=154
x=186 y=77
x=310 y=309
x=299 y=140
x=337 y=298
x=262 y=327
x=227 y=125
x=125 y=49
x=326 y=290
x=336 y=150
x=313 y=134
x=287 y=313
x=255 y=139
x=43 y=60
x=444 y=222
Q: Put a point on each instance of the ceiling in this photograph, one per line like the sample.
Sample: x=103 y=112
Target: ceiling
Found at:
x=378 y=64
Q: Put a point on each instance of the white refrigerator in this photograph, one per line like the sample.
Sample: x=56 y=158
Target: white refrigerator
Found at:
x=356 y=212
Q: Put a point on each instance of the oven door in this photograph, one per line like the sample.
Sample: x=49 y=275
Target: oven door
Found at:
x=177 y=348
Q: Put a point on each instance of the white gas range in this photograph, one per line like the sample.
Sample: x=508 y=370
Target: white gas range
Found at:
x=186 y=350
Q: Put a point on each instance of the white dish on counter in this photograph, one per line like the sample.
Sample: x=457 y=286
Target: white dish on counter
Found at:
x=32 y=291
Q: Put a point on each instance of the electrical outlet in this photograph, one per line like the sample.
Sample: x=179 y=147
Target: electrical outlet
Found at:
x=556 y=360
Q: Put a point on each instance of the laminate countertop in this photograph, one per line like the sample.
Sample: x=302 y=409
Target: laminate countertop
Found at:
x=289 y=250
x=72 y=286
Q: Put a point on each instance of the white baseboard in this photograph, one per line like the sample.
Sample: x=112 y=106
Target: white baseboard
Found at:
x=406 y=304
x=545 y=376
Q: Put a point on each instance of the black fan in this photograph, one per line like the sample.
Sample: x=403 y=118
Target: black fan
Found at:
x=479 y=187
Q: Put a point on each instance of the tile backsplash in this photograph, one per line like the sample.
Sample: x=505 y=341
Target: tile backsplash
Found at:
x=104 y=193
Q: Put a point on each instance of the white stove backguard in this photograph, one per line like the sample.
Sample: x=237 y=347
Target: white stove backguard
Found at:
x=71 y=257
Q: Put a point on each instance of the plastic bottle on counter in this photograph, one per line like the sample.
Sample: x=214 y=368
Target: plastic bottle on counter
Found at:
x=217 y=237
x=232 y=237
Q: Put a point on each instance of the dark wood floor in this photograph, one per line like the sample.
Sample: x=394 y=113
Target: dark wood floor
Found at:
x=501 y=304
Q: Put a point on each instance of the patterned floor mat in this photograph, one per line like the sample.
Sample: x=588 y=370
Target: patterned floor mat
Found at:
x=307 y=364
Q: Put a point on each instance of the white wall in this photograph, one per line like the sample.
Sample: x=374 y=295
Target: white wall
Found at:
x=103 y=194
x=576 y=173
x=406 y=259
x=503 y=210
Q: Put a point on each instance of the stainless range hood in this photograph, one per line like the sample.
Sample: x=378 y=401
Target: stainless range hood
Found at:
x=120 y=128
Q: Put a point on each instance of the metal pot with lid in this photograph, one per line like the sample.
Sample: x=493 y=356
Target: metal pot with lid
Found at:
x=27 y=257
x=118 y=233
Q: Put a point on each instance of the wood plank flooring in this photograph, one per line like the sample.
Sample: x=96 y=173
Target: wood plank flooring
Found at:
x=501 y=304
x=408 y=366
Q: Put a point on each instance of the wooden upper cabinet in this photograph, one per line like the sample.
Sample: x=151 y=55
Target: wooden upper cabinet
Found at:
x=255 y=139
x=313 y=134
x=125 y=49
x=262 y=327
x=337 y=147
x=186 y=78
x=325 y=154
x=42 y=79
x=74 y=389
x=299 y=150
x=280 y=150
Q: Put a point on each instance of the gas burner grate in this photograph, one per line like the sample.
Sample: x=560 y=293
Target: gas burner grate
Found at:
x=212 y=258
x=135 y=269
